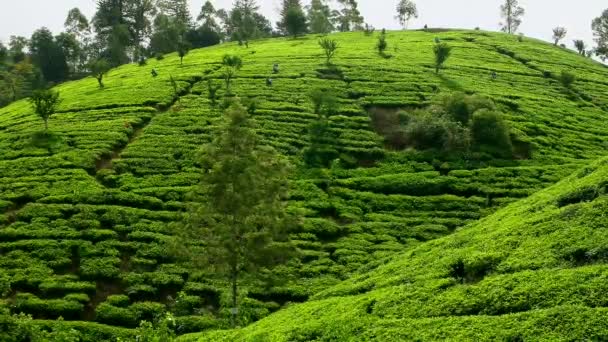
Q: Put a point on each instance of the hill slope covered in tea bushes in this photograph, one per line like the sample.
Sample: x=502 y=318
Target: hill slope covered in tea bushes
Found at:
x=534 y=271
x=87 y=215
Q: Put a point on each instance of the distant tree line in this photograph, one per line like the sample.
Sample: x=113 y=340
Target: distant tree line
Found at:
x=123 y=31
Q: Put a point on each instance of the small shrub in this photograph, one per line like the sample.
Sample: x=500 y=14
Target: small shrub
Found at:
x=329 y=47
x=382 y=45
x=213 y=88
x=567 y=79
x=442 y=52
x=489 y=129
x=520 y=38
x=159 y=56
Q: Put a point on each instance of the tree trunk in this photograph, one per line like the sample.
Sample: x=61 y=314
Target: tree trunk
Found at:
x=234 y=309
x=100 y=81
x=181 y=61
x=46 y=125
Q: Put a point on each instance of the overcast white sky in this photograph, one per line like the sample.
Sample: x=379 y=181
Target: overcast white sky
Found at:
x=22 y=17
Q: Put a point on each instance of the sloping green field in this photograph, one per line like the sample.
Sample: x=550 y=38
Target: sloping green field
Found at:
x=87 y=216
x=534 y=271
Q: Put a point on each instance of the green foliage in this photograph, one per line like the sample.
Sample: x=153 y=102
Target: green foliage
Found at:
x=600 y=31
x=455 y=122
x=232 y=64
x=89 y=211
x=406 y=10
x=488 y=128
x=329 y=47
x=99 y=69
x=183 y=47
x=479 y=283
x=319 y=17
x=382 y=45
x=44 y=103
x=241 y=213
x=293 y=19
x=567 y=79
x=442 y=52
x=212 y=89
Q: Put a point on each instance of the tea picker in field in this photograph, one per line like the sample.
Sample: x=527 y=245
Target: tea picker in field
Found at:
x=494 y=75
x=154 y=73
x=275 y=68
x=269 y=82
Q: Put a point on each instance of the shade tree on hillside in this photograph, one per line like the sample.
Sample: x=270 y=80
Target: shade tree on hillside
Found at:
x=559 y=33
x=348 y=18
x=17 y=45
x=442 y=52
x=48 y=55
x=293 y=20
x=512 y=13
x=231 y=64
x=406 y=10
x=77 y=25
x=600 y=32
x=244 y=22
x=580 y=46
x=99 y=69
x=319 y=17
x=239 y=221
x=183 y=48
x=329 y=47
x=382 y=45
x=44 y=103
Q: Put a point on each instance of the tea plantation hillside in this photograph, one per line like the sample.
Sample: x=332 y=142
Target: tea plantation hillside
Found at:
x=534 y=271
x=88 y=214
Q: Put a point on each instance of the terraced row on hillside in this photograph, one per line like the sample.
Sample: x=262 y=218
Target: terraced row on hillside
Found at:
x=87 y=215
x=534 y=271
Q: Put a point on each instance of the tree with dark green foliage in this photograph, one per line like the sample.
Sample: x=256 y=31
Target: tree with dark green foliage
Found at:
x=16 y=45
x=183 y=47
x=166 y=35
x=293 y=20
x=512 y=14
x=113 y=32
x=240 y=216
x=322 y=143
x=600 y=31
x=178 y=11
x=490 y=130
x=44 y=103
x=3 y=54
x=559 y=33
x=48 y=55
x=329 y=47
x=319 y=17
x=99 y=69
x=244 y=22
x=349 y=18
x=140 y=14
x=442 y=52
x=232 y=64
x=581 y=47
x=406 y=10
